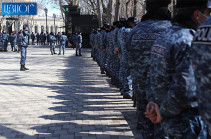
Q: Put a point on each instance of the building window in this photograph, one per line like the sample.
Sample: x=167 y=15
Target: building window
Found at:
x=36 y=29
x=42 y=29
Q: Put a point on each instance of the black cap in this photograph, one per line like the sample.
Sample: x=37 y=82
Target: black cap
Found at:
x=192 y=3
x=122 y=20
x=106 y=25
x=133 y=19
x=156 y=4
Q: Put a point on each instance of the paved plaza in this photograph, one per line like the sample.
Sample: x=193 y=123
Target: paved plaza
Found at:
x=62 y=97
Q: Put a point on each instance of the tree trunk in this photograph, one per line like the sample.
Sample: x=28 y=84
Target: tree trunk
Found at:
x=126 y=8
x=61 y=8
x=110 y=9
x=116 y=17
x=174 y=4
x=99 y=13
x=134 y=8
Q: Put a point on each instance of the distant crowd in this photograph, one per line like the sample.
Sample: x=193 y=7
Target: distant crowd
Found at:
x=51 y=39
x=38 y=38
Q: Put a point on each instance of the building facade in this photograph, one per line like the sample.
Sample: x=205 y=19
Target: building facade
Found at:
x=36 y=24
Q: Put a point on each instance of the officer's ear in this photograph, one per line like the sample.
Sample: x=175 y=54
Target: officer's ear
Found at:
x=196 y=15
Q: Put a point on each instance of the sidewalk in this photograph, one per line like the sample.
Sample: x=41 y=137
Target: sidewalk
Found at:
x=61 y=97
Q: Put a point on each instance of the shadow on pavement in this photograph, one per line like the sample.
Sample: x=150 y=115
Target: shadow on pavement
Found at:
x=88 y=106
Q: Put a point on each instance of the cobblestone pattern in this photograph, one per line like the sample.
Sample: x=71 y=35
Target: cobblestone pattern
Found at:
x=61 y=97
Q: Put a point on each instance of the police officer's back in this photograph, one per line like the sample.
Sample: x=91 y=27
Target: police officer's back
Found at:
x=201 y=62
x=172 y=77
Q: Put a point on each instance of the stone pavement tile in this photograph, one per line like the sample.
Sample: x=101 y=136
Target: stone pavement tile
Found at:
x=61 y=97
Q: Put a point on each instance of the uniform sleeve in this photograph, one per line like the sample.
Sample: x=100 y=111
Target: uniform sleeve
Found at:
x=119 y=40
x=80 y=39
x=149 y=95
x=182 y=87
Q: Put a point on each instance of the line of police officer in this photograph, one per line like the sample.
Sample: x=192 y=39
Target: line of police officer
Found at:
x=5 y=38
x=156 y=56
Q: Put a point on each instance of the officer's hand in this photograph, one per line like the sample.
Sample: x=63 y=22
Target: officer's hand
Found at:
x=116 y=51
x=150 y=111
x=150 y=107
x=158 y=118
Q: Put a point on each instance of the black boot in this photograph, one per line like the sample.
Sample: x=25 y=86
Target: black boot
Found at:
x=113 y=80
x=54 y=51
x=22 y=68
x=80 y=54
x=102 y=70
x=117 y=83
x=59 y=54
x=25 y=67
x=76 y=54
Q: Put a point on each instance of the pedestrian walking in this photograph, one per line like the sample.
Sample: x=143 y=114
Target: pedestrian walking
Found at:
x=52 y=40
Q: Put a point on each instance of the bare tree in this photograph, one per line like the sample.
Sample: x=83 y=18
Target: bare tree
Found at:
x=99 y=13
x=31 y=22
x=1 y=21
x=134 y=8
x=126 y=11
x=116 y=17
x=110 y=10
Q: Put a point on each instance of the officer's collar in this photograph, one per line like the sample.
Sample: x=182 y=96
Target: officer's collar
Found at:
x=185 y=22
x=163 y=14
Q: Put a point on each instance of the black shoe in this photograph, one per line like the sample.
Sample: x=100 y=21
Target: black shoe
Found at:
x=112 y=80
x=117 y=83
x=54 y=53
x=76 y=54
x=80 y=54
x=25 y=67
x=59 y=54
x=22 y=68
x=127 y=96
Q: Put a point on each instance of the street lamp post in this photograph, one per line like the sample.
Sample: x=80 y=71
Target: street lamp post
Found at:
x=54 y=16
x=46 y=13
